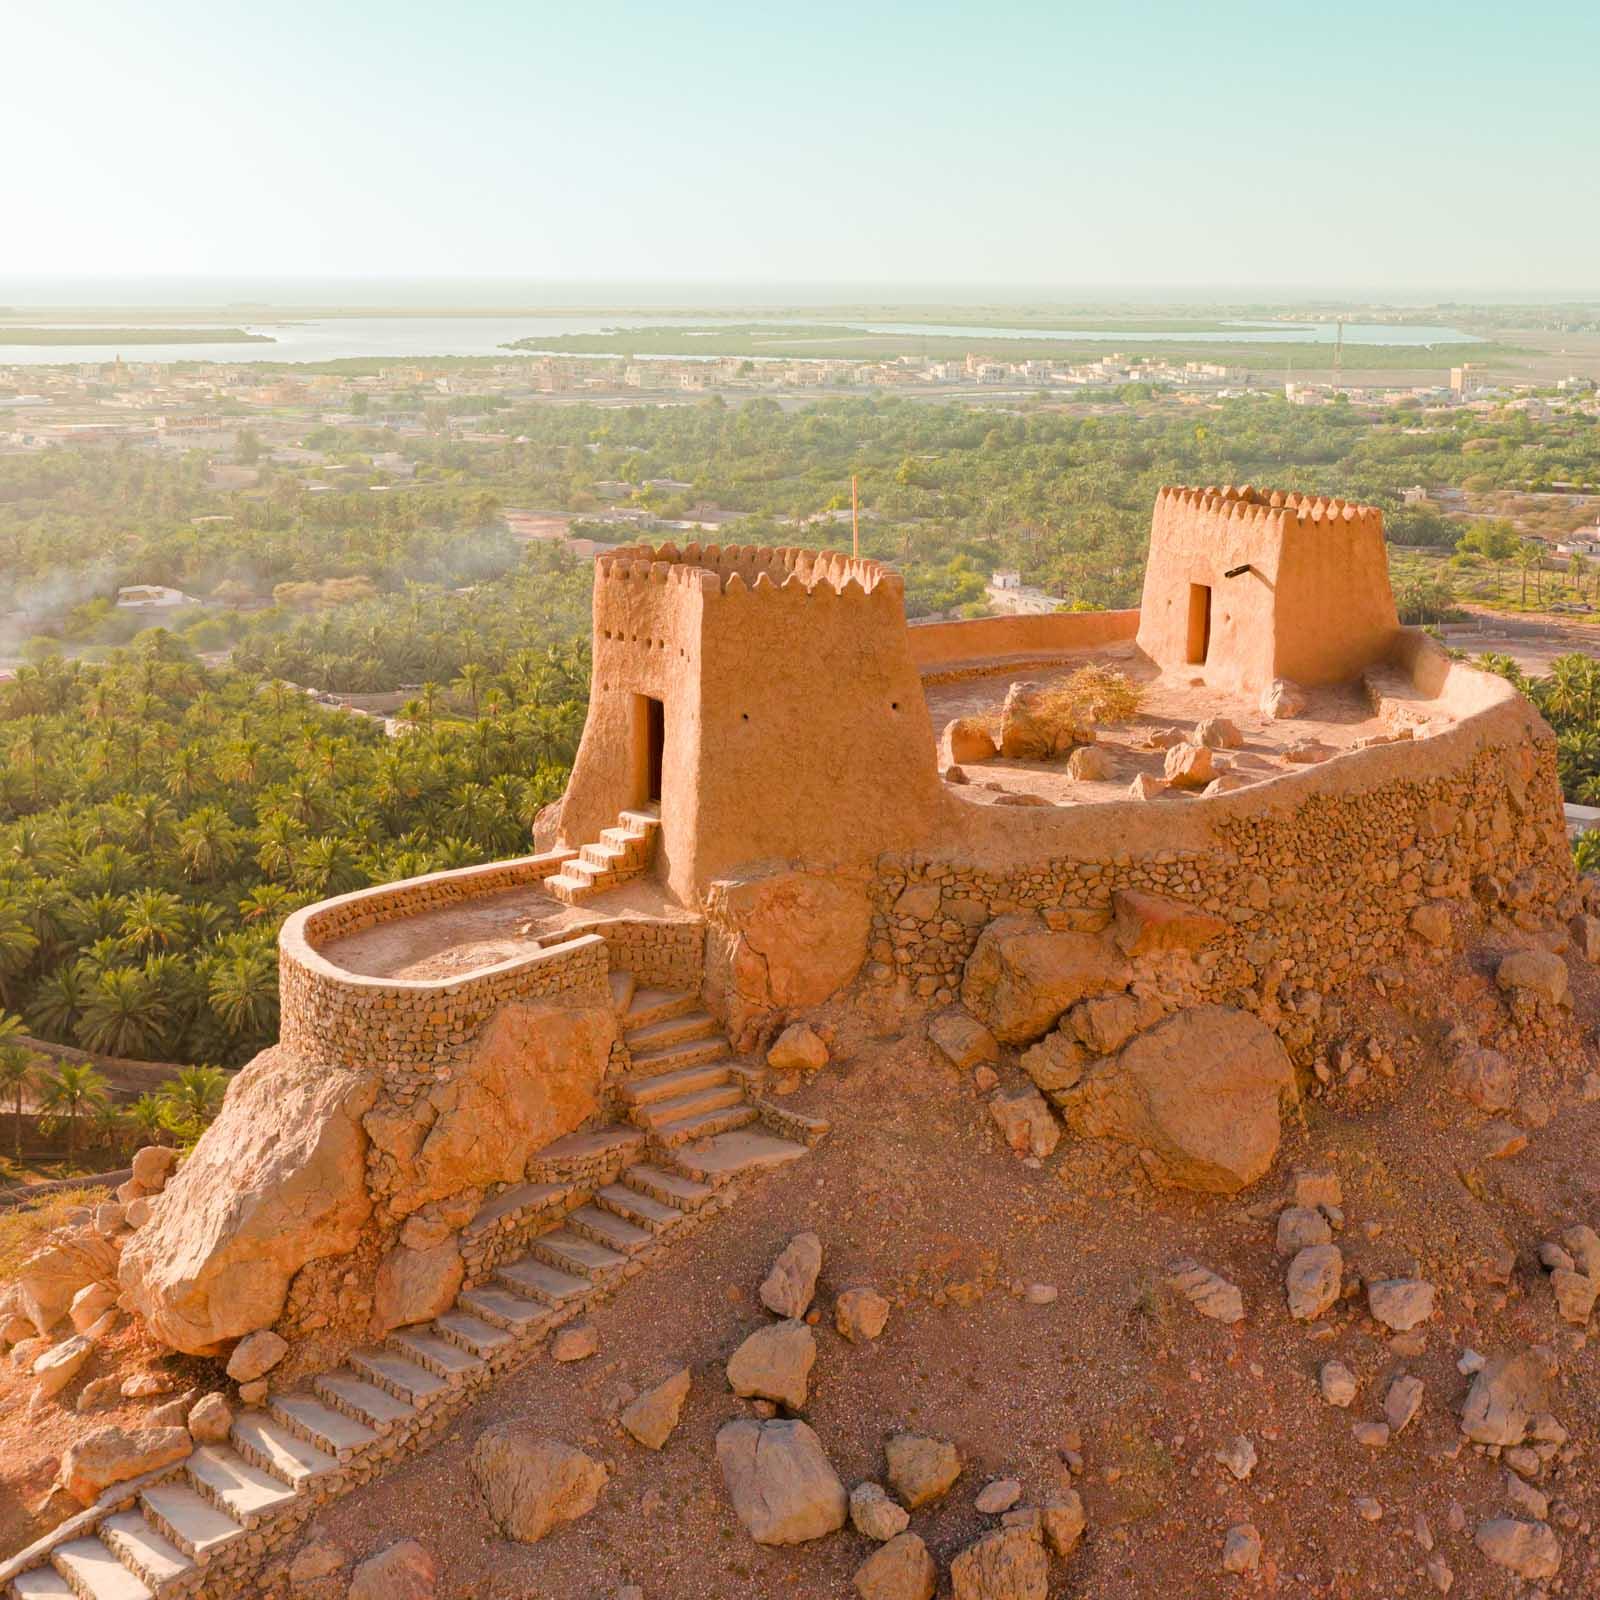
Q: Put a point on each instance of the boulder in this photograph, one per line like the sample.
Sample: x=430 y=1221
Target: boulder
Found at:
x=1211 y=1295
x=1534 y=972
x=1188 y=766
x=797 y=1049
x=1063 y=1522
x=652 y=1417
x=113 y=1455
x=902 y=1569
x=782 y=943
x=1108 y=1021
x=1021 y=976
x=1056 y=1063
x=416 y=1285
x=1337 y=1383
x=1485 y=1078
x=1529 y=1549
x=1507 y=1393
x=1201 y=1092
x=1145 y=786
x=1089 y=763
x=89 y=1304
x=1400 y=1303
x=1145 y=923
x=61 y=1363
x=1024 y=1121
x=920 y=1468
x=532 y=1483
x=152 y=1166
x=51 y=1278
x=405 y=1571
x=534 y=1076
x=1313 y=1281
x=1282 y=699
x=1217 y=733
x=1431 y=924
x=789 y=1286
x=317 y=1562
x=279 y=1179
x=962 y=1040
x=1009 y=1564
x=874 y=1515
x=210 y=1420
x=575 y=1342
x=256 y=1355
x=1300 y=1227
x=1402 y=1402
x=1027 y=731
x=774 y=1364
x=860 y=1314
x=1241 y=1548
x=782 y=1486
x=965 y=740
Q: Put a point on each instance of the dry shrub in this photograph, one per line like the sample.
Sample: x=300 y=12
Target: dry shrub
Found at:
x=1091 y=696
x=23 y=1227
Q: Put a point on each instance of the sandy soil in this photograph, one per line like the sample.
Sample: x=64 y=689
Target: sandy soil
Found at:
x=914 y=1193
x=1334 y=717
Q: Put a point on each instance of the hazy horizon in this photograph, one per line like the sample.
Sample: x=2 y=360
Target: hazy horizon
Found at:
x=1244 y=148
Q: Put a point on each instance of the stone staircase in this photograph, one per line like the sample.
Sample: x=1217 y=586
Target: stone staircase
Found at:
x=620 y=853
x=187 y=1529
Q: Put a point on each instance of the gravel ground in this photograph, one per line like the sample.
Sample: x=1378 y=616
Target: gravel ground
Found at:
x=913 y=1193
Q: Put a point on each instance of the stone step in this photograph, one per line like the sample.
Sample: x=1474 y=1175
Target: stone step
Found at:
x=471 y=1333
x=671 y=1030
x=645 y=824
x=704 y=1125
x=722 y=1156
x=674 y=1189
x=140 y=1547
x=267 y=1444
x=604 y=1228
x=443 y=1358
x=537 y=1280
x=569 y=888
x=94 y=1573
x=658 y=1114
x=656 y=1005
x=642 y=1210
x=605 y=856
x=571 y=1252
x=513 y=1312
x=329 y=1430
x=622 y=986
x=404 y=1379
x=193 y=1524
x=663 y=1086
x=231 y=1484
x=365 y=1402
x=673 y=1057
x=520 y=1200
x=638 y=846
x=41 y=1583
x=583 y=1152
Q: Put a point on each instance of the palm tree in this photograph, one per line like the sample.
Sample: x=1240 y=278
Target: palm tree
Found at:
x=153 y=921
x=19 y=1073
x=59 y=999
x=193 y=1096
x=244 y=992
x=207 y=842
x=147 y=1118
x=124 y=1015
x=73 y=1089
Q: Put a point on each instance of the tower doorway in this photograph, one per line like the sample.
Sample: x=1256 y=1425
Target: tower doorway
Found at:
x=651 y=735
x=1199 y=623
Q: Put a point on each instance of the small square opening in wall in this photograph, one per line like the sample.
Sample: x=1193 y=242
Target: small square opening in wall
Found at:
x=1199 y=623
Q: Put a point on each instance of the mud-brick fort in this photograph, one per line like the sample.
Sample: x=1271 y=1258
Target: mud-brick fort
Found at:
x=502 y=1091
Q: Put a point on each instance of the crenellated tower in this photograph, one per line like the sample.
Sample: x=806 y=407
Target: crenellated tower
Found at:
x=1243 y=586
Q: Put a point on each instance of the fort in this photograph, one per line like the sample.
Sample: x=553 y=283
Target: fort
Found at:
x=501 y=1092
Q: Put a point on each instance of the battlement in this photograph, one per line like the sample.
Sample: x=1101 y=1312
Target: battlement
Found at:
x=736 y=569
x=1280 y=509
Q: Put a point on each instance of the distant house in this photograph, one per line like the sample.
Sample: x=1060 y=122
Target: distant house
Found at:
x=1416 y=495
x=152 y=597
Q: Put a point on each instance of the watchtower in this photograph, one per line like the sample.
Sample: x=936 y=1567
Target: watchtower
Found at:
x=1244 y=586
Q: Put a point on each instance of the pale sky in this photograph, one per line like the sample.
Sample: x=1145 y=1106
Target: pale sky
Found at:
x=1128 y=143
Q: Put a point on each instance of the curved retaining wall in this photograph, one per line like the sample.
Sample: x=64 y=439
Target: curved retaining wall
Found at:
x=1319 y=869
x=942 y=651
x=417 y=1030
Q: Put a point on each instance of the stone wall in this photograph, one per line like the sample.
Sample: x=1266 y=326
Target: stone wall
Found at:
x=944 y=652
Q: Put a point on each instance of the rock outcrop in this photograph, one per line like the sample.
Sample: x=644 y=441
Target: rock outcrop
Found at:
x=279 y=1179
x=1021 y=976
x=1201 y=1092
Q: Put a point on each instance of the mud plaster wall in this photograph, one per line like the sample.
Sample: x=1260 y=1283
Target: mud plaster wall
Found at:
x=1314 y=606
x=945 y=650
x=794 y=718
